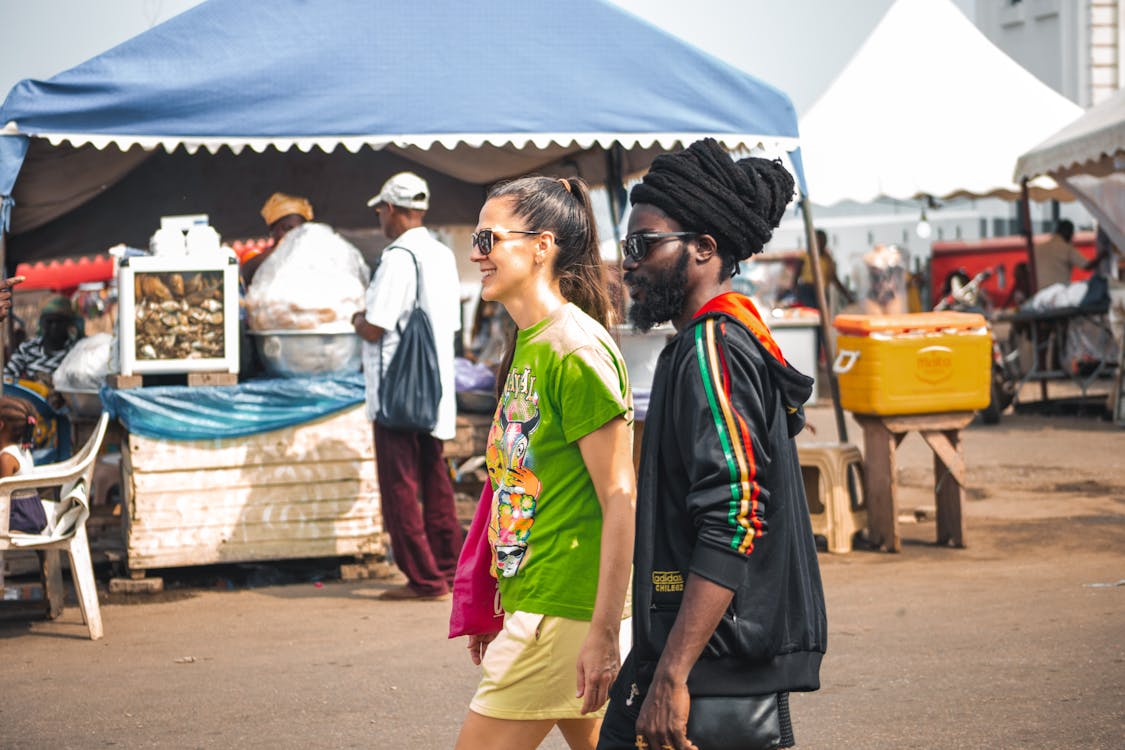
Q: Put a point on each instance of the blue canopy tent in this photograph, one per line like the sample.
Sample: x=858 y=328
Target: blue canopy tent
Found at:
x=215 y=109
x=218 y=107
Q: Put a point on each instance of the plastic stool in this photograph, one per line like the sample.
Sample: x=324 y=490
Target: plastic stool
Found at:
x=834 y=486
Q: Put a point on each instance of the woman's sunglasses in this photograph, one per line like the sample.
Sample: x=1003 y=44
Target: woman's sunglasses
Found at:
x=636 y=246
x=483 y=239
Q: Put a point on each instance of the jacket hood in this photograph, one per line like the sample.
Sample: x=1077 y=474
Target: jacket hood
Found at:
x=795 y=387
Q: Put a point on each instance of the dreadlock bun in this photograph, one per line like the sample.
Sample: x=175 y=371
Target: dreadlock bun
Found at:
x=704 y=190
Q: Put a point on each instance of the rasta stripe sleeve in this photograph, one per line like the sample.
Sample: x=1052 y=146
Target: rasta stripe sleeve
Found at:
x=743 y=514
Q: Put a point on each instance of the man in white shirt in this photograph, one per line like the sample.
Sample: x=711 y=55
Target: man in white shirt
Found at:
x=425 y=537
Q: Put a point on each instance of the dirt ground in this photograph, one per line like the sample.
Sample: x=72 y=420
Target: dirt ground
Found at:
x=1014 y=642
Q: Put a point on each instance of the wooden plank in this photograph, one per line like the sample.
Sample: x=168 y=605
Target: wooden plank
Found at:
x=190 y=504
x=947 y=494
x=143 y=585
x=172 y=557
x=471 y=436
x=255 y=535
x=200 y=481
x=953 y=420
x=882 y=484
x=212 y=378
x=339 y=437
x=946 y=452
x=175 y=517
x=124 y=382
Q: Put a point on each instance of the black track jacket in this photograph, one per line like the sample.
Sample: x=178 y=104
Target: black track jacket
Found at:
x=720 y=495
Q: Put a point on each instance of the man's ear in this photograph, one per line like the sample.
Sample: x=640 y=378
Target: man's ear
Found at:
x=705 y=248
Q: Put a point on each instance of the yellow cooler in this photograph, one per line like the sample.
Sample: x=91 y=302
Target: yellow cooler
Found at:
x=913 y=364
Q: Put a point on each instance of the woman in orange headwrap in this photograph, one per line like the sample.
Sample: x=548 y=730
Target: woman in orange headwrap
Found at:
x=281 y=213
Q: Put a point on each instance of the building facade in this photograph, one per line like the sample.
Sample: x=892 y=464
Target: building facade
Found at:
x=1074 y=46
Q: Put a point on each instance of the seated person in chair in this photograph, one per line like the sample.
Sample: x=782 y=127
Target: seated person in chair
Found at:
x=37 y=358
x=17 y=425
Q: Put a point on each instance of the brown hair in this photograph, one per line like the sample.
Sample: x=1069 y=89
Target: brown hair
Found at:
x=562 y=207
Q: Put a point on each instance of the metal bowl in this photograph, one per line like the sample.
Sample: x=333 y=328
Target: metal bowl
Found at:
x=292 y=354
x=476 y=402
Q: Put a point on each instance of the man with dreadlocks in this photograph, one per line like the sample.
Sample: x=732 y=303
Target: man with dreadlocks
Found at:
x=727 y=600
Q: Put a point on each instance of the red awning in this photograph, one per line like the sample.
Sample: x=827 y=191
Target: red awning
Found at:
x=65 y=273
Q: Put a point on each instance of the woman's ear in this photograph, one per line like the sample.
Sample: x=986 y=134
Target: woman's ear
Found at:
x=544 y=244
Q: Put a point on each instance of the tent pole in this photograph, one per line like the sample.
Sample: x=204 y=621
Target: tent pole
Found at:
x=6 y=325
x=822 y=303
x=617 y=198
x=1032 y=271
x=1028 y=234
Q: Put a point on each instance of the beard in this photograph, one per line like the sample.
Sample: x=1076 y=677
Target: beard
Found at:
x=664 y=295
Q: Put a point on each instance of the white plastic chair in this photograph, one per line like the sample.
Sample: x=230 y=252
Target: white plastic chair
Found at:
x=66 y=519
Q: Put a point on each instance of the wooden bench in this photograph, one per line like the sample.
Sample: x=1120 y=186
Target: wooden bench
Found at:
x=881 y=437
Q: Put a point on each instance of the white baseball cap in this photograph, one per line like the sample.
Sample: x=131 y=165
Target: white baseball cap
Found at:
x=405 y=189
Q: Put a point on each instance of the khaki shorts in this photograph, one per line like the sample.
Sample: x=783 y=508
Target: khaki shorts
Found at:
x=531 y=670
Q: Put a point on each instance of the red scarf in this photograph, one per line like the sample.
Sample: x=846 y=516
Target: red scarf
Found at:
x=741 y=308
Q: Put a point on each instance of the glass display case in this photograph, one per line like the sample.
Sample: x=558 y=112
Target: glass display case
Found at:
x=178 y=314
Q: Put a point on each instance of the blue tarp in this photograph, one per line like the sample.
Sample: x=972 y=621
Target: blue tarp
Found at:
x=13 y=149
x=537 y=81
x=211 y=412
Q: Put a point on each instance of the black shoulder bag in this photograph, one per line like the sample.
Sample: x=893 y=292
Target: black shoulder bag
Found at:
x=410 y=387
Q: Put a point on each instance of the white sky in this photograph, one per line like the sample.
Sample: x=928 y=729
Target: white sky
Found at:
x=796 y=45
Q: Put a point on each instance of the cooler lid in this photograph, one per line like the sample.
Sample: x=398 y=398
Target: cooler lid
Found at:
x=865 y=325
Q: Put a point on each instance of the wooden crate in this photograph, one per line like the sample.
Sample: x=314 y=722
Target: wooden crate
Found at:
x=303 y=491
x=471 y=437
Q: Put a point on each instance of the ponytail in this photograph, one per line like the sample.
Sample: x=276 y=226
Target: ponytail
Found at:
x=579 y=268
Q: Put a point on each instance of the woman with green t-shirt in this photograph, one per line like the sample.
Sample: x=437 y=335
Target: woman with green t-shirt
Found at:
x=559 y=458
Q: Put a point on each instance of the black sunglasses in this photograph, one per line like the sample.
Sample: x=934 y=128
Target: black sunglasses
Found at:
x=636 y=246
x=483 y=239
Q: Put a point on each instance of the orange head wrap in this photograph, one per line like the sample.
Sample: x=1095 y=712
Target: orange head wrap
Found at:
x=281 y=205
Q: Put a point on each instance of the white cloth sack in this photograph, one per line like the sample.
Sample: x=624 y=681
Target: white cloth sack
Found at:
x=314 y=280
x=86 y=364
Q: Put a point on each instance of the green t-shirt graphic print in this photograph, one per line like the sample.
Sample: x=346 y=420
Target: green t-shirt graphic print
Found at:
x=567 y=379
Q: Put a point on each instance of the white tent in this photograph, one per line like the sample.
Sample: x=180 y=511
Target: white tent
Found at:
x=1088 y=157
x=928 y=106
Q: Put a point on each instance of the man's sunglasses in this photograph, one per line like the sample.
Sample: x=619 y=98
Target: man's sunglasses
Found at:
x=636 y=246
x=483 y=239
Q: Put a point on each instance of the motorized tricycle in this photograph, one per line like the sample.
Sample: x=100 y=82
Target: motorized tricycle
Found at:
x=964 y=294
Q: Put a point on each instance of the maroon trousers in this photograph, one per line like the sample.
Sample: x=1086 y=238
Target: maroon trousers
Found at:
x=425 y=537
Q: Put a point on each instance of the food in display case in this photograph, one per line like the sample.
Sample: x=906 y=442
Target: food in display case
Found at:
x=178 y=317
x=178 y=314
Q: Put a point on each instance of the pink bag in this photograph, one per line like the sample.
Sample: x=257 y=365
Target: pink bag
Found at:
x=476 y=592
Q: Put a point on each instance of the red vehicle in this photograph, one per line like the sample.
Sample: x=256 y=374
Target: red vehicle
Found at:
x=1001 y=254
